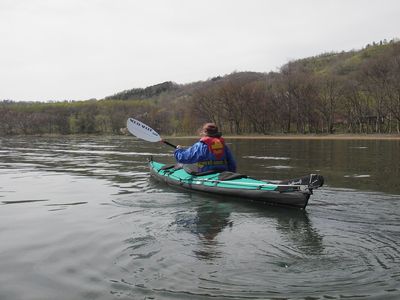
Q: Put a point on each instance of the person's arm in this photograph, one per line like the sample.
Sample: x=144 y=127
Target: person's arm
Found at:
x=230 y=159
x=190 y=155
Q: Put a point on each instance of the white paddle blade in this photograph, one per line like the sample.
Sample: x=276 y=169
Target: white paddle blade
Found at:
x=142 y=131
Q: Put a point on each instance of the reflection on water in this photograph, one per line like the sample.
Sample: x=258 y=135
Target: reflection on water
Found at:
x=80 y=219
x=210 y=219
x=213 y=217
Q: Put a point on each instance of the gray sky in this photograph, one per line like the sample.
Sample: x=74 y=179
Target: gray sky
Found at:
x=81 y=49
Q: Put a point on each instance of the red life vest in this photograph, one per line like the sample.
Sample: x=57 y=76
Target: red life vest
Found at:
x=216 y=159
x=215 y=145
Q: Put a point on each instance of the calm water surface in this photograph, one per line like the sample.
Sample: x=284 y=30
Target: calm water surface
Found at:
x=81 y=219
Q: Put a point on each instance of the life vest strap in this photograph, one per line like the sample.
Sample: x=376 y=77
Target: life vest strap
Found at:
x=202 y=164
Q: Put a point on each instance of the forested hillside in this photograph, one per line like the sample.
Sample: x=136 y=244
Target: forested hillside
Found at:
x=347 y=92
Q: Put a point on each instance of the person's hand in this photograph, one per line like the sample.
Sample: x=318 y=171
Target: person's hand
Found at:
x=179 y=147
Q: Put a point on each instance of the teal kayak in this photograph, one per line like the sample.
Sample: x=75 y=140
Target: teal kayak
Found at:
x=293 y=192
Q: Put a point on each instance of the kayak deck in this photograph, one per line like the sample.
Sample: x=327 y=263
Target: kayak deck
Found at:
x=236 y=185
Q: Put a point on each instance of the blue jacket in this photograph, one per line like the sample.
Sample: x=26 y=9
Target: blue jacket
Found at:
x=199 y=152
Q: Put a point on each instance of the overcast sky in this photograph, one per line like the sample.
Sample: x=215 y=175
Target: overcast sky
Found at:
x=81 y=49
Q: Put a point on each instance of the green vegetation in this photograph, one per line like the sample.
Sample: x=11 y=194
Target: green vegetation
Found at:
x=347 y=92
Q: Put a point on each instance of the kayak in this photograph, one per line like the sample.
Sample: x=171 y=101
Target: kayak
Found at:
x=293 y=193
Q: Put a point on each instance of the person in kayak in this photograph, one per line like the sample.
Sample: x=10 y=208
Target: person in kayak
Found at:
x=208 y=154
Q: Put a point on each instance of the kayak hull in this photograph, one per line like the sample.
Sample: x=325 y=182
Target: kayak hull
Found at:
x=244 y=188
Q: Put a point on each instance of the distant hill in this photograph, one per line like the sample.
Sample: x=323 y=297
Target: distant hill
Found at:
x=143 y=93
x=346 y=62
x=354 y=91
x=168 y=90
x=331 y=63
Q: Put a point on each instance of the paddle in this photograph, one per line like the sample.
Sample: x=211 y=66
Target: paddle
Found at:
x=144 y=132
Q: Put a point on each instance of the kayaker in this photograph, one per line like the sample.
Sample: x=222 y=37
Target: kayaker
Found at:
x=209 y=153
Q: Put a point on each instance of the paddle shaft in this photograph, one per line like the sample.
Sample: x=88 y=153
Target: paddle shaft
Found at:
x=169 y=144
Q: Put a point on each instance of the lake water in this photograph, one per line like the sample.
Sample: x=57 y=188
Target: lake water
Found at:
x=81 y=219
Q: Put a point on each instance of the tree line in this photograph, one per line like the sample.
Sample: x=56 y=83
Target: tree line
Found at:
x=347 y=92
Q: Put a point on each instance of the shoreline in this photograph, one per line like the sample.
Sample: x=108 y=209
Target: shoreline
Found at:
x=244 y=137
x=304 y=137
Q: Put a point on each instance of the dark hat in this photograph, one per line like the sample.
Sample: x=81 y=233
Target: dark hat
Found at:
x=210 y=129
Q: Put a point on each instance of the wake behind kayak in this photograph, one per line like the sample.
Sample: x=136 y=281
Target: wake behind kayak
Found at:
x=292 y=193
